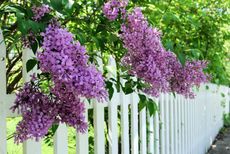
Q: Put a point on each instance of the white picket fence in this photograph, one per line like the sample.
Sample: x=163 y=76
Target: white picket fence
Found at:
x=181 y=126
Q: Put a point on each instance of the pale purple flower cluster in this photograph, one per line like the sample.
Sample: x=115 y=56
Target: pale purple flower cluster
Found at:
x=146 y=55
x=40 y=11
x=66 y=61
x=112 y=8
x=39 y=111
x=148 y=59
x=186 y=77
x=72 y=78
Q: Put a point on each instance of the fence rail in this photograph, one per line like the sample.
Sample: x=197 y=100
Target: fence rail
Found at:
x=181 y=126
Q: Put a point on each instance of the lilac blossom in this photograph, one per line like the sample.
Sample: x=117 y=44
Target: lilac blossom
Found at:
x=66 y=61
x=112 y=8
x=72 y=78
x=147 y=59
x=146 y=55
x=36 y=119
x=40 y=11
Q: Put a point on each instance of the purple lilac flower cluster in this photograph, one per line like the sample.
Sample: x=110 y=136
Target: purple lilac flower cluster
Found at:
x=66 y=61
x=40 y=11
x=148 y=59
x=38 y=113
x=73 y=78
x=112 y=8
x=146 y=55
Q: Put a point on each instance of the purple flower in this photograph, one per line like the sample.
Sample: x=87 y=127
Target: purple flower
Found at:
x=72 y=78
x=38 y=113
x=112 y=8
x=147 y=59
x=40 y=11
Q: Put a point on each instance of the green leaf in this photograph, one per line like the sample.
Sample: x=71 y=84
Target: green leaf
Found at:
x=34 y=47
x=30 y=64
x=128 y=88
x=109 y=86
x=181 y=58
x=57 y=5
x=152 y=107
x=142 y=102
x=222 y=94
x=54 y=128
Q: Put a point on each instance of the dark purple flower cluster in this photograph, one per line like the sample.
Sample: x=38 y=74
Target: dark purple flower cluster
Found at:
x=40 y=11
x=38 y=113
x=148 y=59
x=112 y=8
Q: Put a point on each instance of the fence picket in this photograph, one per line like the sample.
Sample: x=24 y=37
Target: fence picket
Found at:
x=183 y=103
x=175 y=124
x=150 y=133
x=142 y=125
x=2 y=66
x=134 y=124
x=82 y=142
x=112 y=132
x=125 y=101
x=162 y=123
x=61 y=140
x=171 y=123
x=99 y=137
x=166 y=125
x=156 y=130
x=3 y=144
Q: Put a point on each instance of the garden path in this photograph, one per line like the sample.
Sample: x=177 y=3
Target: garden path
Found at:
x=222 y=145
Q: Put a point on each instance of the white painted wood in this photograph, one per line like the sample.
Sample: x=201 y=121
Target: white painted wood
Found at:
x=2 y=65
x=143 y=137
x=172 y=124
x=125 y=101
x=162 y=123
x=186 y=125
x=3 y=146
x=99 y=136
x=157 y=130
x=82 y=142
x=61 y=140
x=166 y=126
x=175 y=124
x=183 y=124
x=134 y=124
x=32 y=146
x=150 y=133
x=180 y=125
x=112 y=133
